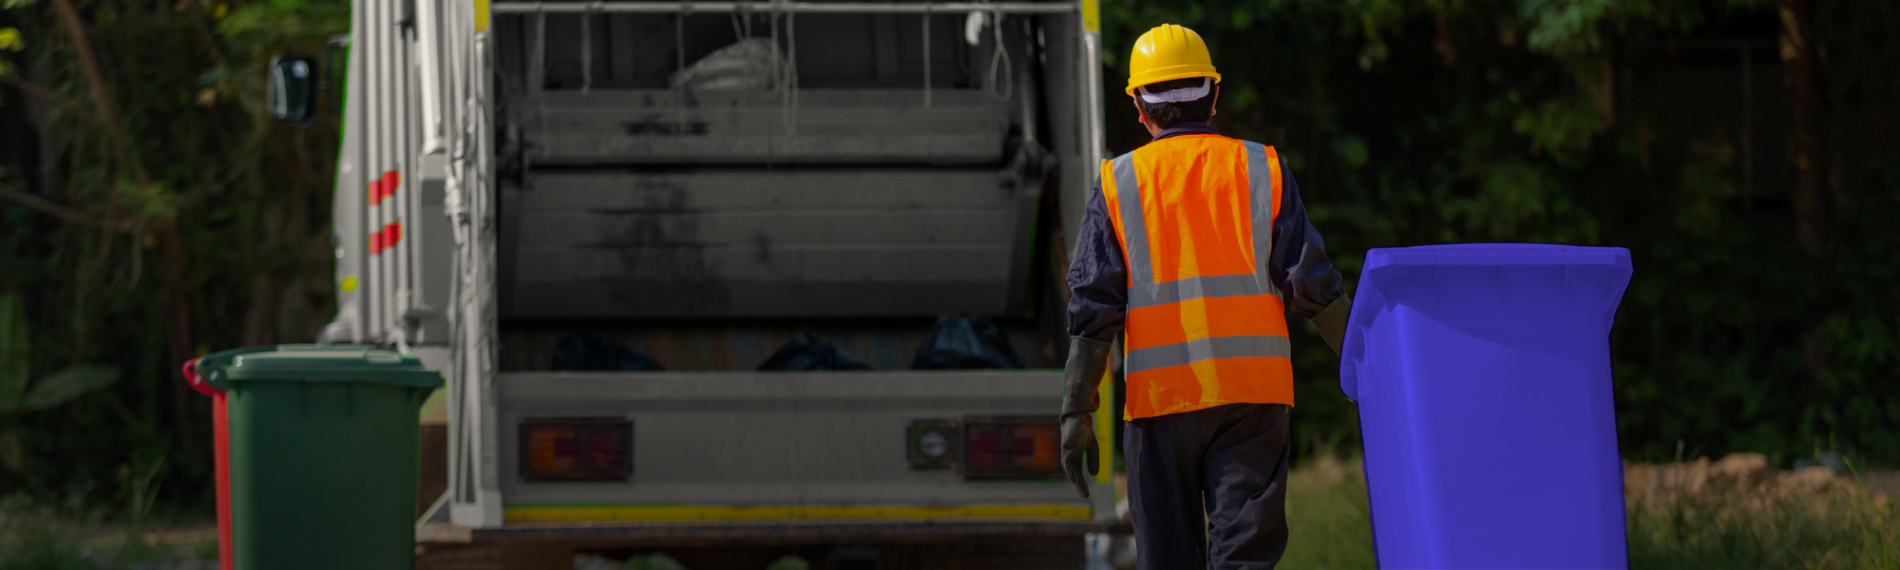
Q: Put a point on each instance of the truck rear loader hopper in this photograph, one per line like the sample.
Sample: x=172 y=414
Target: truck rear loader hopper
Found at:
x=515 y=171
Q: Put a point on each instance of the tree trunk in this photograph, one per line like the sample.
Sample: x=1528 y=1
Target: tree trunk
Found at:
x=1801 y=81
x=1801 y=78
x=177 y=325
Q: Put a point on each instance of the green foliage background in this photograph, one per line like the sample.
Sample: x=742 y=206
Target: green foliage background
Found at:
x=1406 y=123
x=246 y=201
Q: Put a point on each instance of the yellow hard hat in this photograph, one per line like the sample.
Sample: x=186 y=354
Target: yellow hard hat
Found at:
x=1168 y=52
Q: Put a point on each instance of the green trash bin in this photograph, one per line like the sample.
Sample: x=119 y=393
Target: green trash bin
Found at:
x=316 y=454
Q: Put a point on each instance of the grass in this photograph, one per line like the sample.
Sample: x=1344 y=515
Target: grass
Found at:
x=1327 y=519
x=1837 y=529
x=46 y=537
x=1761 y=530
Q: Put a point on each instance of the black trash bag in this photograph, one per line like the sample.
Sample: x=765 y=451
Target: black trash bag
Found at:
x=809 y=354
x=957 y=343
x=599 y=352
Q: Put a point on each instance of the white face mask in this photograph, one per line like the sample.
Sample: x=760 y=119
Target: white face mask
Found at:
x=1181 y=95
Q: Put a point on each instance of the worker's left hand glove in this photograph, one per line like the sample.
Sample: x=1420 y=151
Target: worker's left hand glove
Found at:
x=1088 y=361
x=1313 y=284
x=1332 y=322
x=1314 y=281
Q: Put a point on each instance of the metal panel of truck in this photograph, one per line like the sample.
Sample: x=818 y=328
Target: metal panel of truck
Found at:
x=850 y=188
x=394 y=244
x=829 y=243
x=829 y=126
x=776 y=445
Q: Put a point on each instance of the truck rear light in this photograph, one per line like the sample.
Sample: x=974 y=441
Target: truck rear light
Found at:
x=576 y=449
x=933 y=444
x=1012 y=448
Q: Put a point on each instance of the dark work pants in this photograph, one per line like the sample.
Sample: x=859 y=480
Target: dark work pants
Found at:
x=1229 y=460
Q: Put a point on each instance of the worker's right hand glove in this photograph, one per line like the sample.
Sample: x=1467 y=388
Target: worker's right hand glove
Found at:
x=1088 y=362
x=1078 y=442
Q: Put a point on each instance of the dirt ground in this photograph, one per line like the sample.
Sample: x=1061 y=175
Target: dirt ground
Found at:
x=1883 y=482
x=1748 y=472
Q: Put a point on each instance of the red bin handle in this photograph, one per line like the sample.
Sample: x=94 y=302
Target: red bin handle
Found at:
x=191 y=377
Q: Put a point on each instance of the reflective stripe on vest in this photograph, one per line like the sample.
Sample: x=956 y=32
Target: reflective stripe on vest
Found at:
x=1206 y=325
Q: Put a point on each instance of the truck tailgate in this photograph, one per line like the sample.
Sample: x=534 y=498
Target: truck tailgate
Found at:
x=734 y=446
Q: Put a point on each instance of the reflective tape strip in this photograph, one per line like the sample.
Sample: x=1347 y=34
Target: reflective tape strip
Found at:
x=1206 y=348
x=1260 y=180
x=1134 y=227
x=1192 y=288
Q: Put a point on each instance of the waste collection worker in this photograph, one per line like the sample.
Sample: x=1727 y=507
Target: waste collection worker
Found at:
x=1194 y=245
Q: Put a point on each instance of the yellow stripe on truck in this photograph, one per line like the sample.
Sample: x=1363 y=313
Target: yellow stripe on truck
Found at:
x=583 y=513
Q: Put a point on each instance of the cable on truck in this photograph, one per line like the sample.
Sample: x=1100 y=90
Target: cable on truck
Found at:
x=1001 y=58
x=789 y=98
x=540 y=70
x=926 y=56
x=587 y=47
x=679 y=48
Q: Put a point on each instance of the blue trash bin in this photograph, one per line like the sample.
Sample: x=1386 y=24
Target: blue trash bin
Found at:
x=1482 y=373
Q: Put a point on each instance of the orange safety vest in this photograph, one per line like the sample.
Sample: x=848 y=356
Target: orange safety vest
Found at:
x=1206 y=326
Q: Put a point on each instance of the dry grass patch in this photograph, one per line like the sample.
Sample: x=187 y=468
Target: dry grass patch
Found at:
x=1733 y=514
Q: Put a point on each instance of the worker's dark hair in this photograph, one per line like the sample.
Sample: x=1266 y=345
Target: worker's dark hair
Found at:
x=1166 y=115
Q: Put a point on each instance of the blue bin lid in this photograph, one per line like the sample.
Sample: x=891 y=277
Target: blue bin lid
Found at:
x=1612 y=265
x=1495 y=254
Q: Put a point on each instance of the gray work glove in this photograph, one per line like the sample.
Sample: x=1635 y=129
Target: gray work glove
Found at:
x=1331 y=322
x=1314 y=281
x=1088 y=361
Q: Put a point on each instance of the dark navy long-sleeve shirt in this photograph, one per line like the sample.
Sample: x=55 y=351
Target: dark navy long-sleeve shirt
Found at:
x=1098 y=277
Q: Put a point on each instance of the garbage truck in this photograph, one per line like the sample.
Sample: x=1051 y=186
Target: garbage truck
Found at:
x=703 y=182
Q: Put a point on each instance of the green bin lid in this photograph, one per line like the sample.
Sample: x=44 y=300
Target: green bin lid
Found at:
x=316 y=363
